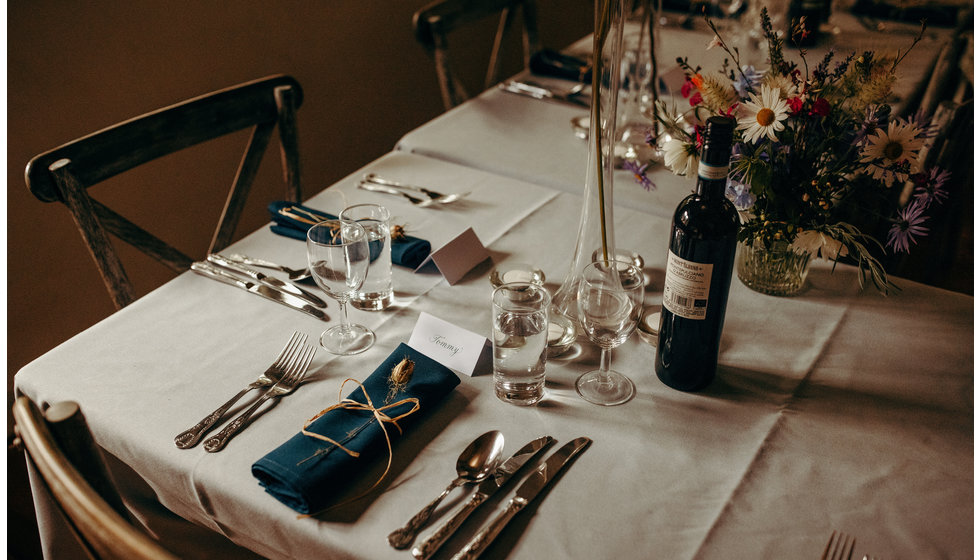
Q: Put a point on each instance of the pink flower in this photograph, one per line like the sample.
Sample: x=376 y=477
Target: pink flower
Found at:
x=795 y=106
x=695 y=99
x=821 y=107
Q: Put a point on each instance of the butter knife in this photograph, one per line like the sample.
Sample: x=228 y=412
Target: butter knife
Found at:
x=486 y=489
x=270 y=281
x=537 y=92
x=209 y=270
x=531 y=487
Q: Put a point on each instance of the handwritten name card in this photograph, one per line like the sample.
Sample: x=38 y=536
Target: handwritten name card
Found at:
x=456 y=348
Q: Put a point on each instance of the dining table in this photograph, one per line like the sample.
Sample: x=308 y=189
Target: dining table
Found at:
x=838 y=409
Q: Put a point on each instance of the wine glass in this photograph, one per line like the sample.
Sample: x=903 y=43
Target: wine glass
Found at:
x=610 y=302
x=338 y=254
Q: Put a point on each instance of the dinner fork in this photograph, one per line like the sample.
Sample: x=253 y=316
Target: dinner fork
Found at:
x=268 y=378
x=295 y=373
x=839 y=547
x=433 y=195
x=293 y=273
x=391 y=190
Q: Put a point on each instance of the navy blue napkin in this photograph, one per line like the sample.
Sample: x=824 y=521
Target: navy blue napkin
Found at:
x=294 y=220
x=305 y=473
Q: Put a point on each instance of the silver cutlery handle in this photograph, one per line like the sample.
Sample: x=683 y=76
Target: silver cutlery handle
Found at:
x=402 y=538
x=389 y=190
x=190 y=437
x=483 y=539
x=250 y=261
x=218 y=441
x=432 y=544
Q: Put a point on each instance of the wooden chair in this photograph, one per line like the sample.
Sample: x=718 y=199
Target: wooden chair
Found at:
x=64 y=174
x=435 y=22
x=60 y=446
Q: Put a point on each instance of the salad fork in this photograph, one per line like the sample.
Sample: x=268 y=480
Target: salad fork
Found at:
x=295 y=373
x=296 y=274
x=269 y=377
x=839 y=547
x=433 y=195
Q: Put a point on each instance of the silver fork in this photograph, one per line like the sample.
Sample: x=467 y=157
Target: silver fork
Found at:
x=268 y=378
x=295 y=373
x=391 y=190
x=293 y=273
x=433 y=195
x=839 y=547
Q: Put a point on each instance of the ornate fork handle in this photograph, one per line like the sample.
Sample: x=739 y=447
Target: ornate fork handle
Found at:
x=218 y=441
x=402 y=538
x=431 y=544
x=190 y=437
x=483 y=539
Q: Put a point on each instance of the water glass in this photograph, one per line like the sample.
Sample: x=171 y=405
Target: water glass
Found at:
x=520 y=342
x=376 y=293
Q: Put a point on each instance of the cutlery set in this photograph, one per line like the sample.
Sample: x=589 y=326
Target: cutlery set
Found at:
x=480 y=463
x=281 y=378
x=423 y=197
x=538 y=91
x=235 y=270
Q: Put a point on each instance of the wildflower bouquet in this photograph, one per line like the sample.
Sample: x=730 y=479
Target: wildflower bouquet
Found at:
x=816 y=157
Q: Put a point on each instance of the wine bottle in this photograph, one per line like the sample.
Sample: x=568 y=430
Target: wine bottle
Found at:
x=700 y=257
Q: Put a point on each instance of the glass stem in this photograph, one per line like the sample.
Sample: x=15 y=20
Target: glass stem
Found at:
x=344 y=323
x=605 y=359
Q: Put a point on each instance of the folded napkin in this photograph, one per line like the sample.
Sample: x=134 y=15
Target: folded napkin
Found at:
x=549 y=62
x=305 y=472
x=294 y=220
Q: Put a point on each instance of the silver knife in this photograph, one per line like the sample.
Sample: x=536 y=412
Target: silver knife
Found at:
x=209 y=270
x=270 y=281
x=486 y=489
x=537 y=92
x=534 y=483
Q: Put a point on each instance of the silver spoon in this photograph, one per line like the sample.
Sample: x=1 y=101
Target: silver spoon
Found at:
x=475 y=463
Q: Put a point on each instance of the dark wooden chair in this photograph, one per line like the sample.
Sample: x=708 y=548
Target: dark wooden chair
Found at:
x=60 y=446
x=64 y=174
x=436 y=21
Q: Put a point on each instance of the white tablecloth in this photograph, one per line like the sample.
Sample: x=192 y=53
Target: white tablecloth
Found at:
x=832 y=410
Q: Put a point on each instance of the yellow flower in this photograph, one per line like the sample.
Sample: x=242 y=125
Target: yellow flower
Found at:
x=886 y=150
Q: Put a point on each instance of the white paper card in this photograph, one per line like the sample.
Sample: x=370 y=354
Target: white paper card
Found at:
x=459 y=256
x=456 y=348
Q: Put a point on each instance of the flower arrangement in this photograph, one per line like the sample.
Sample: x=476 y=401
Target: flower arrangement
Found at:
x=817 y=157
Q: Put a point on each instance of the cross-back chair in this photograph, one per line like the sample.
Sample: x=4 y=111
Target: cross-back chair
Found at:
x=60 y=446
x=64 y=174
x=436 y=21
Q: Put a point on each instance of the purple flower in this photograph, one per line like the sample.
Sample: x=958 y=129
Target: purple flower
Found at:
x=907 y=227
x=639 y=174
x=740 y=195
x=929 y=186
x=872 y=123
x=748 y=80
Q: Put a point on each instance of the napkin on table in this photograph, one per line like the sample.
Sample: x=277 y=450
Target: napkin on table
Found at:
x=294 y=220
x=305 y=473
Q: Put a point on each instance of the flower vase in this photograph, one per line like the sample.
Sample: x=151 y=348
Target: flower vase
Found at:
x=777 y=272
x=639 y=89
x=595 y=231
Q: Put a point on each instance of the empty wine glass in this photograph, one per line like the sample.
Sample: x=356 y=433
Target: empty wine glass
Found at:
x=610 y=302
x=338 y=254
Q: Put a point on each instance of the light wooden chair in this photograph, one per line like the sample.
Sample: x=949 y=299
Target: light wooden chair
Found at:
x=64 y=174
x=60 y=446
x=435 y=22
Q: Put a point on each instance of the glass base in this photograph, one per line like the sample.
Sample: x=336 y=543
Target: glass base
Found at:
x=606 y=390
x=373 y=301
x=776 y=273
x=346 y=341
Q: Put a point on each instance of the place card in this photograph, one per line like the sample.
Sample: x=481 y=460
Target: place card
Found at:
x=454 y=347
x=459 y=256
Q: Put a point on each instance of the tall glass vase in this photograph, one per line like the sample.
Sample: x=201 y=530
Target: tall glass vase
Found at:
x=595 y=233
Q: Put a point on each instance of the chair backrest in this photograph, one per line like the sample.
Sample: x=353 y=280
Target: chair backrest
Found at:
x=60 y=446
x=64 y=174
x=436 y=21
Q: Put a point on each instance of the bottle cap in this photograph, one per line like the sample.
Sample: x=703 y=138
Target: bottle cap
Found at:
x=719 y=130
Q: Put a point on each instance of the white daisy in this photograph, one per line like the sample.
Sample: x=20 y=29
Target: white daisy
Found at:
x=681 y=157
x=887 y=153
x=763 y=115
x=818 y=243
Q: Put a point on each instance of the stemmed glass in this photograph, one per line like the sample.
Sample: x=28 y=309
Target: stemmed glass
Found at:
x=338 y=254
x=610 y=302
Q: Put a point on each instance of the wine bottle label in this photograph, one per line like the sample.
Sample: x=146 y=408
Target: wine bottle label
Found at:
x=711 y=172
x=686 y=287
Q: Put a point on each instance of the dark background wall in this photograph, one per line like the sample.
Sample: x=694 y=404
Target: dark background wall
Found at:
x=76 y=67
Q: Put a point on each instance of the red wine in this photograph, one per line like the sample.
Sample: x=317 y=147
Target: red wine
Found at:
x=699 y=269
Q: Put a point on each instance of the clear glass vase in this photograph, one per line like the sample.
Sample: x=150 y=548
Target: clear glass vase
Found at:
x=595 y=233
x=773 y=272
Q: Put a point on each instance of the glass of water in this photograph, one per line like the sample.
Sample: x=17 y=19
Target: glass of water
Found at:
x=375 y=293
x=520 y=342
